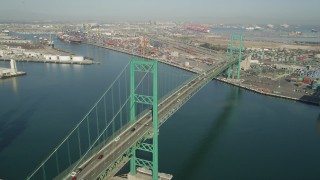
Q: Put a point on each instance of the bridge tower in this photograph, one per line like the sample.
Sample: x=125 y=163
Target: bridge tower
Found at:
x=145 y=67
x=235 y=47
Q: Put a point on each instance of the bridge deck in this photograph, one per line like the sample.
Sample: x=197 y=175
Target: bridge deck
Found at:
x=107 y=156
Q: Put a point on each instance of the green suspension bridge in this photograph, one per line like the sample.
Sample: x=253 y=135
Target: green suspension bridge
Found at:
x=124 y=122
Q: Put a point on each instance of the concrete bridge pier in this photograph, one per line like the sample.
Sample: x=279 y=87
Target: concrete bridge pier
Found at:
x=142 y=174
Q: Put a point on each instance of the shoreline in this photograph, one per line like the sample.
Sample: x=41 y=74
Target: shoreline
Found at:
x=85 y=62
x=269 y=94
x=129 y=53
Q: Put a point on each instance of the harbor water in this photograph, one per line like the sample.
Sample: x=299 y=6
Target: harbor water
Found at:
x=223 y=132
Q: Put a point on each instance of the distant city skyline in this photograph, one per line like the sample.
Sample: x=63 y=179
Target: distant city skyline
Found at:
x=200 y=11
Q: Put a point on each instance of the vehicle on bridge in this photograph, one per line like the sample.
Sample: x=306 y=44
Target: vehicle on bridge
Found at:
x=75 y=173
x=100 y=156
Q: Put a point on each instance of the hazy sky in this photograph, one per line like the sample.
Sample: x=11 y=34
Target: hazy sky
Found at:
x=211 y=11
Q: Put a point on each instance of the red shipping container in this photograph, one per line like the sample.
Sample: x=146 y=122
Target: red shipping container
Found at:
x=293 y=79
x=307 y=80
x=267 y=90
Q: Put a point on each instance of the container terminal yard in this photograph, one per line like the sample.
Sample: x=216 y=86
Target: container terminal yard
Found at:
x=278 y=68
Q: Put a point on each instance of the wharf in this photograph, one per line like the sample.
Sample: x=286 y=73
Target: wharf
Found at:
x=6 y=73
x=84 y=62
x=161 y=60
x=238 y=84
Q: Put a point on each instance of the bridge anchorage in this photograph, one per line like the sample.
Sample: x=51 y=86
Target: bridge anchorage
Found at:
x=124 y=124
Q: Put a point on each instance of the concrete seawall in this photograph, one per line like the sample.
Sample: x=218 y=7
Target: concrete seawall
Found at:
x=12 y=75
x=84 y=62
x=269 y=94
x=126 y=52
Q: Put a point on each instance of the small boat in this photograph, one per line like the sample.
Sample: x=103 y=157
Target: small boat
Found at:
x=314 y=30
x=249 y=28
x=75 y=40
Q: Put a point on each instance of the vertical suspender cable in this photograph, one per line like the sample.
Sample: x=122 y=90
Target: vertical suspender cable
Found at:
x=68 y=147
x=57 y=162
x=44 y=172
x=88 y=125
x=97 y=118
x=113 y=123
x=105 y=135
x=120 y=103
x=79 y=141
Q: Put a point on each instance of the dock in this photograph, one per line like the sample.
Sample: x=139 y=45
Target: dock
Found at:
x=84 y=62
x=30 y=52
x=259 y=91
x=10 y=72
x=8 y=75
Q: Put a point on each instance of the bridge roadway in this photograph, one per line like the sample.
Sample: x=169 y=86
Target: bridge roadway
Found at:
x=93 y=168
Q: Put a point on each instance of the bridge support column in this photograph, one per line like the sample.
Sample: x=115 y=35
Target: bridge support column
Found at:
x=132 y=116
x=240 y=56
x=238 y=50
x=230 y=69
x=233 y=68
x=145 y=67
x=155 y=123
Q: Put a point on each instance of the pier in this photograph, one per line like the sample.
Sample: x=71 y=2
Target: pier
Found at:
x=10 y=72
x=84 y=62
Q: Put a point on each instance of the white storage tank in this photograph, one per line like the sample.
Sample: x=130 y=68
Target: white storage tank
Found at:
x=64 y=58
x=175 y=53
x=186 y=64
x=77 y=58
x=46 y=56
x=53 y=57
x=32 y=54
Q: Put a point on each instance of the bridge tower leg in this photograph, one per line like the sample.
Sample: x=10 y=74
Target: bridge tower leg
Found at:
x=237 y=49
x=233 y=68
x=230 y=71
x=146 y=67
x=239 y=56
